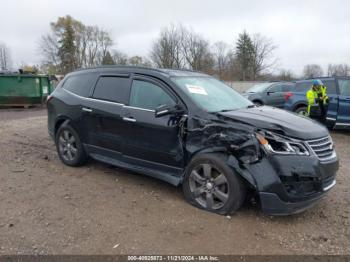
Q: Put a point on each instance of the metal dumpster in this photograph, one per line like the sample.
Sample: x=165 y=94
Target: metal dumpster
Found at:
x=24 y=90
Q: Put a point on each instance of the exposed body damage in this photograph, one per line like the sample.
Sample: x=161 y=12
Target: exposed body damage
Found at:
x=285 y=183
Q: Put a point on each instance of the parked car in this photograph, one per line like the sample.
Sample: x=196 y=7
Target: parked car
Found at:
x=271 y=94
x=188 y=128
x=338 y=91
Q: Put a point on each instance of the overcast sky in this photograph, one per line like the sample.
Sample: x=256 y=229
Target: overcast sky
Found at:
x=305 y=31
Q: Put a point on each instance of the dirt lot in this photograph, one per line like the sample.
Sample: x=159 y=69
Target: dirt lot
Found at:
x=48 y=208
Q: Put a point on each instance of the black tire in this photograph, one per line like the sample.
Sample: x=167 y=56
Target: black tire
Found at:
x=196 y=189
x=67 y=140
x=302 y=110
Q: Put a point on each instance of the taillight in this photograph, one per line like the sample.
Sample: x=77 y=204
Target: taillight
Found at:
x=48 y=99
x=287 y=96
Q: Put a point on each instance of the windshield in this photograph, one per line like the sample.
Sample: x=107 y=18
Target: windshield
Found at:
x=211 y=94
x=258 y=88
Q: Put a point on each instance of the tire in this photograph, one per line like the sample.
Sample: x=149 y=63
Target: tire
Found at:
x=69 y=147
x=210 y=184
x=301 y=111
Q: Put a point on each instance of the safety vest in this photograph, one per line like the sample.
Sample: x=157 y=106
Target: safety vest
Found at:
x=312 y=95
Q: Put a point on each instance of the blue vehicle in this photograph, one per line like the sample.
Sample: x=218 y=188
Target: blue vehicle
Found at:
x=338 y=91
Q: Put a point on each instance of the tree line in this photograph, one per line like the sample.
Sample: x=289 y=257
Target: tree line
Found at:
x=70 y=44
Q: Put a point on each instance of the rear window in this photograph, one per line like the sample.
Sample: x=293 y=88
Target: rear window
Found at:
x=80 y=84
x=112 y=88
x=330 y=84
x=344 y=87
x=305 y=86
x=275 y=88
x=287 y=87
x=302 y=86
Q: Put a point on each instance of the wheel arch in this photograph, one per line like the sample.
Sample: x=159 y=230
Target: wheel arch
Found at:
x=60 y=121
x=230 y=160
x=299 y=105
x=258 y=100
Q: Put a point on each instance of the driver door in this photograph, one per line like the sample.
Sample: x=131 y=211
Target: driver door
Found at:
x=152 y=142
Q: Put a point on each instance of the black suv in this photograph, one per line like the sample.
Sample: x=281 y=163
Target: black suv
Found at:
x=188 y=128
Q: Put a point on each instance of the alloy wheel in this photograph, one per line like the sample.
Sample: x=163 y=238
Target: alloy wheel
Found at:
x=67 y=145
x=209 y=186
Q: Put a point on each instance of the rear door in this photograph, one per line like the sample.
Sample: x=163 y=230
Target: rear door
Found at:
x=343 y=119
x=274 y=96
x=105 y=113
x=149 y=141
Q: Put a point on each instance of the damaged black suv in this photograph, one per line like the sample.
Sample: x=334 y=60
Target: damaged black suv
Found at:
x=188 y=128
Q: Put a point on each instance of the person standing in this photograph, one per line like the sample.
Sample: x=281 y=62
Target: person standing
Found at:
x=317 y=101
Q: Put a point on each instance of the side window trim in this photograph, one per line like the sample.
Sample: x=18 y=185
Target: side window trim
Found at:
x=101 y=75
x=152 y=81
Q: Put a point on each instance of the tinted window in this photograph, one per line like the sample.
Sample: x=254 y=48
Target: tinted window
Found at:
x=258 y=88
x=275 y=88
x=148 y=96
x=80 y=84
x=330 y=84
x=111 y=88
x=287 y=87
x=344 y=87
x=302 y=86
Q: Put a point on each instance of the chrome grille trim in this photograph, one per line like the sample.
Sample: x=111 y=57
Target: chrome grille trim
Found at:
x=323 y=148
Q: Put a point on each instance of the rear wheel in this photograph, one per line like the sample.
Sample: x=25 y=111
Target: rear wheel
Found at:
x=69 y=147
x=211 y=185
x=301 y=111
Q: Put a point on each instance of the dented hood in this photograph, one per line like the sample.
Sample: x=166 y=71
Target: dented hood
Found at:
x=278 y=120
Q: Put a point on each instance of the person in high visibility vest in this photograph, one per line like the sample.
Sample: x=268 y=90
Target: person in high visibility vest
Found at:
x=317 y=101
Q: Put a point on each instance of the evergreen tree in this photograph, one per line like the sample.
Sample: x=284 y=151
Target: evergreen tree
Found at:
x=244 y=54
x=108 y=59
x=67 y=48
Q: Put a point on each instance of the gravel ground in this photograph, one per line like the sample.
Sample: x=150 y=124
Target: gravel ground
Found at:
x=49 y=208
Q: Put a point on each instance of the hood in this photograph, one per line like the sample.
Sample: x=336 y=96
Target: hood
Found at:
x=273 y=119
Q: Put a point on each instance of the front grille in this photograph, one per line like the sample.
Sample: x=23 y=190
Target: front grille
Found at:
x=322 y=147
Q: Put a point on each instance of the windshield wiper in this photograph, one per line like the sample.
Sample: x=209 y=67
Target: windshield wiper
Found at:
x=251 y=106
x=225 y=110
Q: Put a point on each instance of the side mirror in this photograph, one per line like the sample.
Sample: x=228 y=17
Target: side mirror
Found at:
x=164 y=110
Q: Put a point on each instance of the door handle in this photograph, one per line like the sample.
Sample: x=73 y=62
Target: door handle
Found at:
x=85 y=109
x=129 y=119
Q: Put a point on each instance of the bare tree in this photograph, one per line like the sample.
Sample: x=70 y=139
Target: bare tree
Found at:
x=262 y=56
x=285 y=75
x=196 y=52
x=338 y=70
x=48 y=47
x=167 y=50
x=221 y=54
x=312 y=71
x=5 y=57
x=119 y=58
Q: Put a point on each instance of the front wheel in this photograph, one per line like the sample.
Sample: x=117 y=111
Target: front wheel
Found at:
x=212 y=185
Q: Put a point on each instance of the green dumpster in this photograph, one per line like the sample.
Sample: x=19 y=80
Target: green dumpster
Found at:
x=24 y=90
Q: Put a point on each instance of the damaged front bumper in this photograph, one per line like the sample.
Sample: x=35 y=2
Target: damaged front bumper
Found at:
x=290 y=184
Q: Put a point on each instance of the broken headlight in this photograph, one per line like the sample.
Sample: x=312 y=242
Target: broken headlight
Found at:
x=276 y=144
